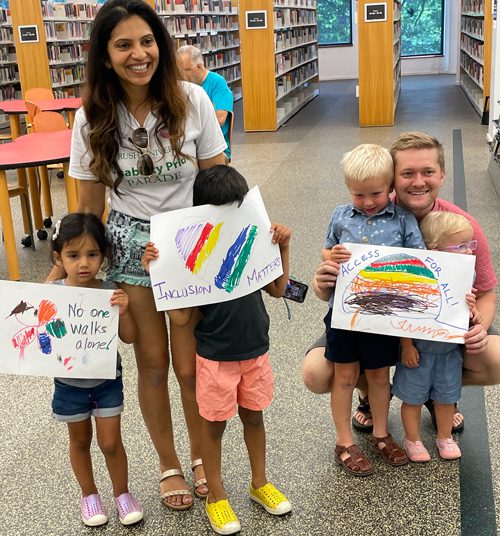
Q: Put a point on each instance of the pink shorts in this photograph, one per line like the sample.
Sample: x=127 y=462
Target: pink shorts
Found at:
x=222 y=386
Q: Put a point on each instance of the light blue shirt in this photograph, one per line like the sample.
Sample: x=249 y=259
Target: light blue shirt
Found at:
x=392 y=226
x=219 y=93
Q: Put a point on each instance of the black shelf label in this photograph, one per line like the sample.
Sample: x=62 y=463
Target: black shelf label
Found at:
x=28 y=34
x=256 y=20
x=376 y=12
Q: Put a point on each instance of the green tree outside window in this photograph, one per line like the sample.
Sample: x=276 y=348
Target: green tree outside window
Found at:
x=422 y=27
x=334 y=22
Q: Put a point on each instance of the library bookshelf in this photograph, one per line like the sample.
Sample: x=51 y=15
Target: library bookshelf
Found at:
x=475 y=51
x=67 y=30
x=211 y=26
x=279 y=62
x=10 y=83
x=379 y=61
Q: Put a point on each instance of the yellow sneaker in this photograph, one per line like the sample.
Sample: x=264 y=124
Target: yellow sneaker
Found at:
x=222 y=518
x=271 y=499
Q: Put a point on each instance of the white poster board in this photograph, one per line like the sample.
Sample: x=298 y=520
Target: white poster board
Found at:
x=57 y=331
x=212 y=254
x=404 y=292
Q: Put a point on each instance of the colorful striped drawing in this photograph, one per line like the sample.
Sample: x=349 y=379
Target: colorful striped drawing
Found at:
x=195 y=243
x=394 y=285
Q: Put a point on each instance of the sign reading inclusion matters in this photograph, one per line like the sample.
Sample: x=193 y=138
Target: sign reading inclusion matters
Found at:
x=212 y=254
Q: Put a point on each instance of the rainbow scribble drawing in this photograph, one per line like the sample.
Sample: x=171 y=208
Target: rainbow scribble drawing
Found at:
x=41 y=327
x=392 y=286
x=195 y=243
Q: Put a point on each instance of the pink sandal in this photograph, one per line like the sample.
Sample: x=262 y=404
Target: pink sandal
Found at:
x=448 y=449
x=416 y=451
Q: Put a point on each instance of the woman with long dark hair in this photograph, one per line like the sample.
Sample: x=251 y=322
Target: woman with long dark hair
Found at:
x=144 y=134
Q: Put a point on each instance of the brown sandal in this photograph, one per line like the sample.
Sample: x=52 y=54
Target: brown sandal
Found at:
x=391 y=452
x=356 y=463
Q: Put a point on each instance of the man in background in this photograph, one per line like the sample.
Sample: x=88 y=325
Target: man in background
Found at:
x=193 y=70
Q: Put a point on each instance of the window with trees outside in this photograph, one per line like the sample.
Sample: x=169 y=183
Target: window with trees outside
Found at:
x=422 y=23
x=334 y=22
x=422 y=27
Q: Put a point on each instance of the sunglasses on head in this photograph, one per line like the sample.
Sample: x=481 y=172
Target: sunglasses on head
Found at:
x=140 y=140
x=462 y=248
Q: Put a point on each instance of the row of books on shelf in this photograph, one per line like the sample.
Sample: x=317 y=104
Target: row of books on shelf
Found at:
x=294 y=37
x=397 y=30
x=7 y=54
x=308 y=4
x=288 y=60
x=207 y=43
x=293 y=79
x=230 y=74
x=397 y=11
x=473 y=47
x=5 y=16
x=473 y=6
x=67 y=30
x=6 y=34
x=194 y=6
x=294 y=100
x=199 y=23
x=220 y=59
x=8 y=74
x=64 y=53
x=10 y=93
x=472 y=26
x=397 y=51
x=71 y=74
x=67 y=92
x=293 y=17
x=473 y=68
x=69 y=10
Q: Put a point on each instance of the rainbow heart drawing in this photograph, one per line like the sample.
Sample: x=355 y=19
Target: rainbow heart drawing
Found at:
x=197 y=242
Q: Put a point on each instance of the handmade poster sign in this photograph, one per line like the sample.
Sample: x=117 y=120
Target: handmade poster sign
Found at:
x=211 y=254
x=57 y=331
x=404 y=292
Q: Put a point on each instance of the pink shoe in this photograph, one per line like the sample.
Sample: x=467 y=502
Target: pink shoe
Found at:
x=129 y=509
x=448 y=449
x=93 y=511
x=416 y=451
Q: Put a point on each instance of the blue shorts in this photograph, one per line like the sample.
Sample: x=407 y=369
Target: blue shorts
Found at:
x=371 y=350
x=438 y=377
x=74 y=404
x=127 y=236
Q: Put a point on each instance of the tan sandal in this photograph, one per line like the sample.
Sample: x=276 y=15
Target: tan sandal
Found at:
x=200 y=481
x=163 y=496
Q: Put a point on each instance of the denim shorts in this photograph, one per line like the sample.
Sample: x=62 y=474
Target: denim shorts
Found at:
x=371 y=350
x=74 y=404
x=128 y=237
x=438 y=377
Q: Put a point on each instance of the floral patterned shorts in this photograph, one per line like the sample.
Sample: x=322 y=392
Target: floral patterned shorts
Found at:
x=128 y=237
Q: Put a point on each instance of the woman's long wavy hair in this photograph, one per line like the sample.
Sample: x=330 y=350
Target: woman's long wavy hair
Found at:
x=103 y=91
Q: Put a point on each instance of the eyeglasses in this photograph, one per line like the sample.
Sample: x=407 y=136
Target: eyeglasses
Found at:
x=462 y=248
x=140 y=140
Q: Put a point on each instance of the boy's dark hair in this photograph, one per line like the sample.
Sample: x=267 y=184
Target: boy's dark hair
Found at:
x=78 y=224
x=219 y=185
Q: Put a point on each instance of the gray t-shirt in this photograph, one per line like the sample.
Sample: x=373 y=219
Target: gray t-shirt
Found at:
x=89 y=383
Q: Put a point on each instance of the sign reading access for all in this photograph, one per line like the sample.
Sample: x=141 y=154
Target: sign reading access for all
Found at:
x=212 y=254
x=404 y=292
x=57 y=331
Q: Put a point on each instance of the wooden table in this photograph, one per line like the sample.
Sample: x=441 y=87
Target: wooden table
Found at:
x=30 y=151
x=16 y=108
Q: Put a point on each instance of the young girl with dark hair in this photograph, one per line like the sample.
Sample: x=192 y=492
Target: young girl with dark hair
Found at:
x=80 y=246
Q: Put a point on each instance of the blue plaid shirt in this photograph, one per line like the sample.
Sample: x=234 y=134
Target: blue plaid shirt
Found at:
x=392 y=226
